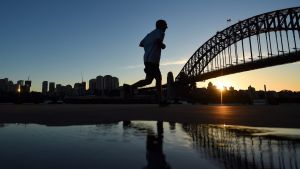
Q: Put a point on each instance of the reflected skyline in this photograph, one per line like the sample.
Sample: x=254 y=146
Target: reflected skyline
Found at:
x=146 y=144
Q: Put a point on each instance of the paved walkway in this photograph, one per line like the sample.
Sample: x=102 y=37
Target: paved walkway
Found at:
x=285 y=115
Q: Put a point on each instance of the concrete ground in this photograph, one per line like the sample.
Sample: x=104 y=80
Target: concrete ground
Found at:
x=284 y=115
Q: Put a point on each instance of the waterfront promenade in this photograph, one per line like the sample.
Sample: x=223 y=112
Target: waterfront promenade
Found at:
x=284 y=115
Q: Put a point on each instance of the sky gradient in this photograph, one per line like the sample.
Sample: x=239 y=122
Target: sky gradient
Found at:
x=57 y=40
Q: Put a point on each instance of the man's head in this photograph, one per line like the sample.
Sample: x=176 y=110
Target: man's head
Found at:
x=161 y=24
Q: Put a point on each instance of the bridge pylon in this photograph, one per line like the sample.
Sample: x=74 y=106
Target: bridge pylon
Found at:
x=180 y=89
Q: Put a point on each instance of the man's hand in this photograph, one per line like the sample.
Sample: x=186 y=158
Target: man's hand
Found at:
x=141 y=44
x=160 y=43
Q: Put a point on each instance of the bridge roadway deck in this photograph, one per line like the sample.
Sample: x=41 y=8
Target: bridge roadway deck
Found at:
x=257 y=64
x=284 y=115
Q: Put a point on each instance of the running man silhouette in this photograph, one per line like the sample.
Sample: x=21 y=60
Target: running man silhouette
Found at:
x=152 y=44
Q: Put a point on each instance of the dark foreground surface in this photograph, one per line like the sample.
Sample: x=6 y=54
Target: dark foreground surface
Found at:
x=178 y=136
x=284 y=115
x=145 y=145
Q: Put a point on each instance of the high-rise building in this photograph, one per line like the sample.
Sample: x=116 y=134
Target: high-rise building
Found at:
x=107 y=82
x=45 y=87
x=170 y=85
x=4 y=85
x=51 y=87
x=99 y=83
x=115 y=83
x=251 y=92
x=28 y=83
x=27 y=86
x=92 y=86
x=11 y=86
x=58 y=89
x=68 y=90
x=20 y=82
x=83 y=86
x=79 y=89
x=17 y=88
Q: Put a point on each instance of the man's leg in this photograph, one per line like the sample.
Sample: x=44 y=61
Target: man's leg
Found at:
x=161 y=102
x=158 y=86
x=148 y=80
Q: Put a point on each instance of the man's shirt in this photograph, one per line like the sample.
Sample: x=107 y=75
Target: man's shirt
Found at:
x=152 y=47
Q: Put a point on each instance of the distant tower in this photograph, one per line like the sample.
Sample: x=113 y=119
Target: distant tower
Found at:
x=4 y=85
x=170 y=85
x=92 y=86
x=83 y=86
x=78 y=89
x=265 y=87
x=19 y=86
x=51 y=87
x=45 y=87
x=68 y=90
x=27 y=85
x=115 y=83
x=11 y=86
x=58 y=89
x=251 y=93
x=100 y=84
x=20 y=82
x=107 y=82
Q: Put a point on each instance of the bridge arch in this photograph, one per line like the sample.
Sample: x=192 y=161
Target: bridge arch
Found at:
x=232 y=50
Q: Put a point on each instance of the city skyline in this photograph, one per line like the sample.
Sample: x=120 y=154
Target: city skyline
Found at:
x=58 y=42
x=100 y=86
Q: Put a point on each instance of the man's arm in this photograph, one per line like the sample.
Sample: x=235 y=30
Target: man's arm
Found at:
x=160 y=43
x=142 y=43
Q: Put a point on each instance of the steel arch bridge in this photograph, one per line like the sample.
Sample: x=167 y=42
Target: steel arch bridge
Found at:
x=264 y=40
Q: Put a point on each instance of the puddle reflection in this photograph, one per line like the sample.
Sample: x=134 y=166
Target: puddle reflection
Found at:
x=239 y=149
x=154 y=144
x=147 y=145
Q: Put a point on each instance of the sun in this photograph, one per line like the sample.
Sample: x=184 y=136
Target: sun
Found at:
x=19 y=89
x=220 y=85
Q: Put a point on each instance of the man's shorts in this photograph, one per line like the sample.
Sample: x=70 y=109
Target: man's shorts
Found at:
x=152 y=69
